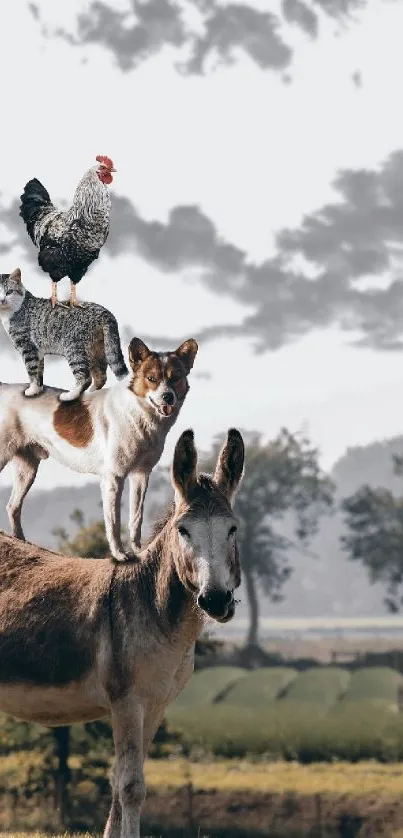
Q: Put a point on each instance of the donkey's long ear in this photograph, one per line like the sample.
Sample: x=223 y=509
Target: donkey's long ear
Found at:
x=138 y=352
x=229 y=469
x=16 y=275
x=187 y=352
x=184 y=476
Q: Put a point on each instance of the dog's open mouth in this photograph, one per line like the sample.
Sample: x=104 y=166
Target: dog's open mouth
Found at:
x=163 y=409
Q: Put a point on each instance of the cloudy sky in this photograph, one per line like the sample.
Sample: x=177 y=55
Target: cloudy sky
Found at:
x=258 y=203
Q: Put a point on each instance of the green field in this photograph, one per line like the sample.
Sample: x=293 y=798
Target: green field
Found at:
x=322 y=713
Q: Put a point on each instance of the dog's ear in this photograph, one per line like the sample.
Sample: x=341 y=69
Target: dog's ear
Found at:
x=138 y=352
x=16 y=275
x=187 y=352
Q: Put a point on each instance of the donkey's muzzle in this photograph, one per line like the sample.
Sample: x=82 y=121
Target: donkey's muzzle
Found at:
x=218 y=604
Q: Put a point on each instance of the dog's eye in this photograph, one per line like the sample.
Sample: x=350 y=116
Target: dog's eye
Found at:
x=151 y=379
x=232 y=530
x=183 y=532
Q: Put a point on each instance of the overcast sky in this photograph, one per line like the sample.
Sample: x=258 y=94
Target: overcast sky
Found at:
x=258 y=203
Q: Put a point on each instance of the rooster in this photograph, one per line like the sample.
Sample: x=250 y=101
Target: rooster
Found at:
x=70 y=240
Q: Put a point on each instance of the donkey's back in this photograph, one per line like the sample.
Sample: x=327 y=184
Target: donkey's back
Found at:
x=53 y=619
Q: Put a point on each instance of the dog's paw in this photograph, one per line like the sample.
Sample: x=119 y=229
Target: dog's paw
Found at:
x=121 y=556
x=33 y=390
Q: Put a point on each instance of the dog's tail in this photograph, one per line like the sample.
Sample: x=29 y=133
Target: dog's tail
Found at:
x=113 y=350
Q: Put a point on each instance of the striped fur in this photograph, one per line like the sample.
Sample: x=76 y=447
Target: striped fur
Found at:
x=88 y=337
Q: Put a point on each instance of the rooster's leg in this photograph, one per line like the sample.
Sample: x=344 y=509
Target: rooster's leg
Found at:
x=54 y=294
x=73 y=296
x=54 y=300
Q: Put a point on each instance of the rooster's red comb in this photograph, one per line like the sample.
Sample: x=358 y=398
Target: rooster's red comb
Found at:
x=105 y=160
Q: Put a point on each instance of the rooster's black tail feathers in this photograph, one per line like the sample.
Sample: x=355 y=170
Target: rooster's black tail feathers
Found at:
x=34 y=199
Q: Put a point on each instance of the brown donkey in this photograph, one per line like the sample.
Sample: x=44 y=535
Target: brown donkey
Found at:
x=83 y=639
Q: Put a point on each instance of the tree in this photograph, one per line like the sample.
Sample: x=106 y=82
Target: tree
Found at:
x=89 y=542
x=281 y=477
x=374 y=521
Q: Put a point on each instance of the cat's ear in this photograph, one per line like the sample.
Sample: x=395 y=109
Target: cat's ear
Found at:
x=16 y=275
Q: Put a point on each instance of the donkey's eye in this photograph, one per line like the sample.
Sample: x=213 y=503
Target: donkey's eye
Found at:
x=151 y=378
x=232 y=530
x=183 y=532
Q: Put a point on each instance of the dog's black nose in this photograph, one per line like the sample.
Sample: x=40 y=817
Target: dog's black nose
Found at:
x=168 y=397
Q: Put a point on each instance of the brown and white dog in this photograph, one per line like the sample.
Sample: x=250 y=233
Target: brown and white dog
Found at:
x=114 y=433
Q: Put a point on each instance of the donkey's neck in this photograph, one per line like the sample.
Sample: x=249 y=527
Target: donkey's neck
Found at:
x=161 y=598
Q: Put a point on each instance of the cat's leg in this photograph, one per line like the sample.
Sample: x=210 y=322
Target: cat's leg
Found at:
x=25 y=466
x=98 y=372
x=79 y=365
x=32 y=363
x=41 y=371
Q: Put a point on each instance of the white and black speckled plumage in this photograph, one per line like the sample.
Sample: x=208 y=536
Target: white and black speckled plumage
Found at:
x=88 y=337
x=70 y=240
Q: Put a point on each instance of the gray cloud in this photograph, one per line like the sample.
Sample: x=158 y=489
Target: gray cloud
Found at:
x=221 y=30
x=322 y=274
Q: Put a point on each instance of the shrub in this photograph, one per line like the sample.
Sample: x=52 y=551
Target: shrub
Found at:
x=207 y=685
x=260 y=687
x=324 y=686
x=293 y=731
x=376 y=682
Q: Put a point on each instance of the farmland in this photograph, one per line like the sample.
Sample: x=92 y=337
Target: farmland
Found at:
x=323 y=713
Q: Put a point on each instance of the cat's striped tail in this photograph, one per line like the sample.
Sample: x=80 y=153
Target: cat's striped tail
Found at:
x=113 y=350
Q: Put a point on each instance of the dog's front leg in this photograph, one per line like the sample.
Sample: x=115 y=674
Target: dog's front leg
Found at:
x=111 y=490
x=138 y=482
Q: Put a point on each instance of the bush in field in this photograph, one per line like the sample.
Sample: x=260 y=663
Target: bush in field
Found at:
x=322 y=685
x=291 y=731
x=229 y=730
x=377 y=682
x=22 y=736
x=208 y=685
x=260 y=687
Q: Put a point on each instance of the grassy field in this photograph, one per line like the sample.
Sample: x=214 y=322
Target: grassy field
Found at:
x=343 y=778
x=371 y=790
x=319 y=714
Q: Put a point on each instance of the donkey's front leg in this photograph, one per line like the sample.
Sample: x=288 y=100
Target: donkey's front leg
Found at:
x=138 y=482
x=114 y=823
x=127 y=725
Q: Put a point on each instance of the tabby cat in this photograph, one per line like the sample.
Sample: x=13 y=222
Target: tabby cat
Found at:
x=87 y=336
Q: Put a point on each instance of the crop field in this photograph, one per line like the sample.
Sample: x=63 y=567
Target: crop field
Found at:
x=323 y=713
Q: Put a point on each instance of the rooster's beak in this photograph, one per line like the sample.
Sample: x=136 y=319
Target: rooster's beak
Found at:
x=112 y=170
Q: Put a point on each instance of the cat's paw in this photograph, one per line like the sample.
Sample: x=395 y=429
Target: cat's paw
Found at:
x=33 y=390
x=71 y=395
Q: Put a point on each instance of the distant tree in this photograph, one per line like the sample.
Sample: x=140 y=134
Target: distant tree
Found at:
x=89 y=542
x=282 y=477
x=374 y=522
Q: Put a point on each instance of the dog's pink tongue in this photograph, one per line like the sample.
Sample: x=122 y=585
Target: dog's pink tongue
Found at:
x=167 y=409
